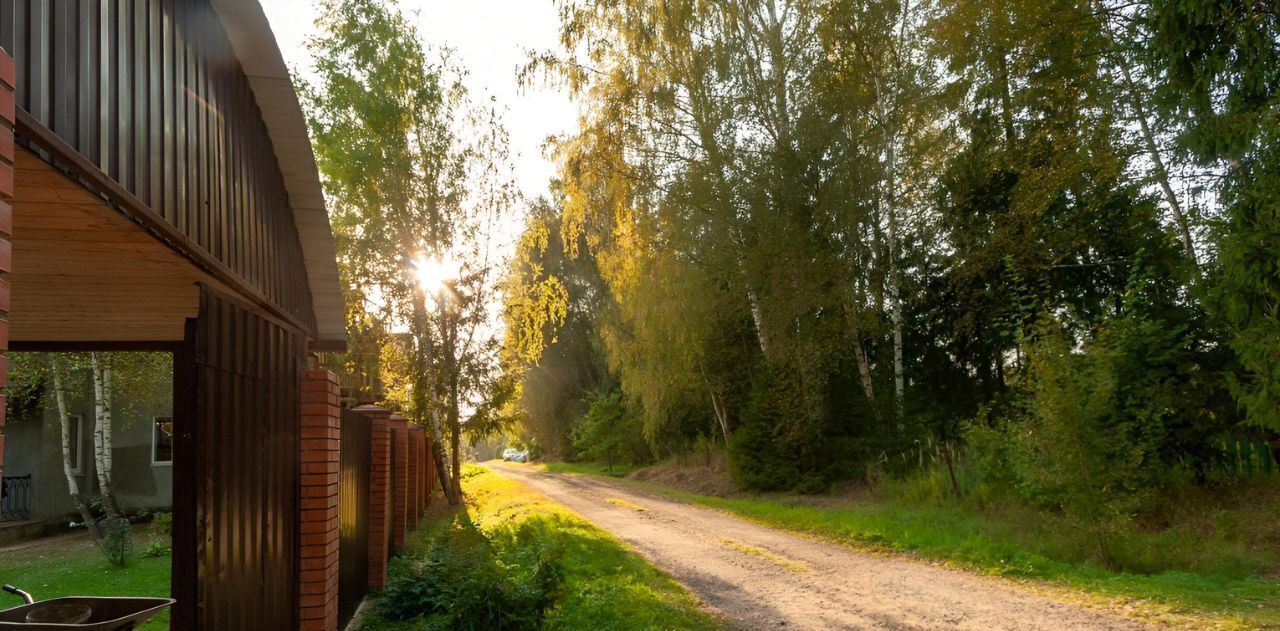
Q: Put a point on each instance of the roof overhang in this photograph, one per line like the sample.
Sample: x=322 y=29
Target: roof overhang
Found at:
x=255 y=46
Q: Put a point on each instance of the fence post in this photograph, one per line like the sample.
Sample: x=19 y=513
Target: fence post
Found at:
x=400 y=476
x=8 y=80
x=379 y=492
x=318 y=503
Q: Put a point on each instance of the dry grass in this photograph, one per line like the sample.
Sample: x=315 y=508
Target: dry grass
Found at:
x=624 y=504
x=790 y=565
x=698 y=473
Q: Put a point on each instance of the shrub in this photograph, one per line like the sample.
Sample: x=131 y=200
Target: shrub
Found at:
x=463 y=579
x=1089 y=436
x=160 y=542
x=162 y=523
x=116 y=542
x=157 y=547
x=794 y=438
x=607 y=434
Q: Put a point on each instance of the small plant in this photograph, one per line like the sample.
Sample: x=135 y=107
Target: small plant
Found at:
x=463 y=579
x=116 y=542
x=162 y=524
x=161 y=541
x=157 y=547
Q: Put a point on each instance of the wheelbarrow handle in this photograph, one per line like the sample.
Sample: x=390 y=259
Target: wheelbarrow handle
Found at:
x=19 y=593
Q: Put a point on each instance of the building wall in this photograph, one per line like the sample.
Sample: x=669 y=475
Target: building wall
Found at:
x=34 y=446
x=152 y=93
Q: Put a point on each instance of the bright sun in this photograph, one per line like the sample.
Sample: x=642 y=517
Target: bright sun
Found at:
x=435 y=272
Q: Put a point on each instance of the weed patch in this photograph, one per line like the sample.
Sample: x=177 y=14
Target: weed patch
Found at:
x=599 y=584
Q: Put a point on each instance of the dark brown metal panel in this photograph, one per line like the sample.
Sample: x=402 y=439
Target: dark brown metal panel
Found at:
x=248 y=381
x=152 y=94
x=186 y=465
x=355 y=464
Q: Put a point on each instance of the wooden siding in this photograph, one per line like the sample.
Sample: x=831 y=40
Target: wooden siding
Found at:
x=71 y=250
x=151 y=92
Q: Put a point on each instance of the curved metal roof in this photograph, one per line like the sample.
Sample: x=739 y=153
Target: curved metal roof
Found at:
x=255 y=46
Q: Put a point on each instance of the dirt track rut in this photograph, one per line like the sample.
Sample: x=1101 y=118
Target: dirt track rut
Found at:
x=758 y=577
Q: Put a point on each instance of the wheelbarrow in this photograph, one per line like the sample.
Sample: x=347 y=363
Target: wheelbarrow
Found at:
x=80 y=613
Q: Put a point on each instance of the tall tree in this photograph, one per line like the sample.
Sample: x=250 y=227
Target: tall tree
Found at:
x=415 y=174
x=1219 y=64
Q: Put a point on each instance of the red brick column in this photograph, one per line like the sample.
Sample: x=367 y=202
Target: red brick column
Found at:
x=7 y=82
x=400 y=477
x=414 y=478
x=321 y=438
x=379 y=493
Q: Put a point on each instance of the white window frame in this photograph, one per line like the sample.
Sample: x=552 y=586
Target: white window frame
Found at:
x=154 y=462
x=77 y=421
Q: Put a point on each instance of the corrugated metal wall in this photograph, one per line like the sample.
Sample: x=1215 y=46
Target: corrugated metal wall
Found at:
x=355 y=465
x=247 y=414
x=151 y=92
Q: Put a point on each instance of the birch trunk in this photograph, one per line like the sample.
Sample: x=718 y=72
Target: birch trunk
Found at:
x=1148 y=138
x=864 y=367
x=891 y=212
x=449 y=326
x=455 y=434
x=424 y=395
x=717 y=405
x=101 y=372
x=68 y=467
x=721 y=415
x=889 y=121
x=442 y=461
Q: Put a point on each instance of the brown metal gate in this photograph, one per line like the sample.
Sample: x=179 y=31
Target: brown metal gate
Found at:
x=244 y=469
x=353 y=513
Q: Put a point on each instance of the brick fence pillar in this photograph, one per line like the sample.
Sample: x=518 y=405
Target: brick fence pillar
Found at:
x=379 y=492
x=7 y=83
x=321 y=445
x=400 y=478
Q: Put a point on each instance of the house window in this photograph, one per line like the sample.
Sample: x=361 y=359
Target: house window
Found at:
x=74 y=422
x=162 y=440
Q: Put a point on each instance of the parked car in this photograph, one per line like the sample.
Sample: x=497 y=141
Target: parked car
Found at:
x=511 y=454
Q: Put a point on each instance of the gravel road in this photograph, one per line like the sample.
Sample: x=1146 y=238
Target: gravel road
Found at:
x=757 y=577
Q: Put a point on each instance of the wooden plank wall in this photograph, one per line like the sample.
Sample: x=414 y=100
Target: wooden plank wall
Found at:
x=151 y=92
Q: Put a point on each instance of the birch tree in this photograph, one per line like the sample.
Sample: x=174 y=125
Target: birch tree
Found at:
x=414 y=171
x=57 y=374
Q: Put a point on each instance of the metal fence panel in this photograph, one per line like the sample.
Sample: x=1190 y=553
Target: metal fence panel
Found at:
x=248 y=389
x=355 y=462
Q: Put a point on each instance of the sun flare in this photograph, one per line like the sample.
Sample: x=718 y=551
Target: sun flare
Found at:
x=435 y=273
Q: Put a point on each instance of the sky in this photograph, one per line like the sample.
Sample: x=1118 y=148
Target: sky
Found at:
x=491 y=38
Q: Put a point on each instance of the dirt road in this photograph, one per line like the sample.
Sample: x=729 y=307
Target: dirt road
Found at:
x=758 y=577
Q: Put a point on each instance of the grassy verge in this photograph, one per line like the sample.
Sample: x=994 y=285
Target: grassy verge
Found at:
x=618 y=470
x=605 y=585
x=1221 y=592
x=73 y=566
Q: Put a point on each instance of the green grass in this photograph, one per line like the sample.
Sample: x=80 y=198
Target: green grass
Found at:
x=619 y=469
x=606 y=586
x=1219 y=590
x=75 y=567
